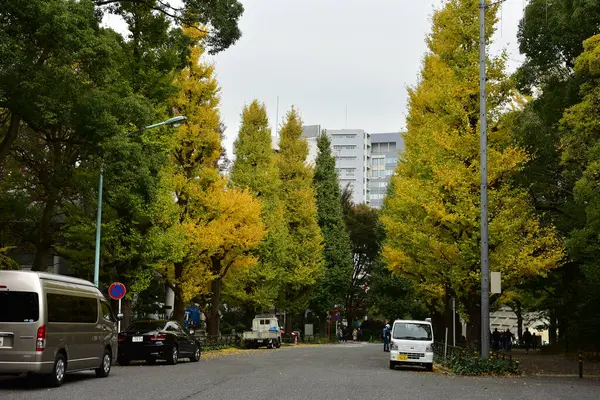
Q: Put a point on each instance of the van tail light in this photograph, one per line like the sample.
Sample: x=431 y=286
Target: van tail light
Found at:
x=122 y=337
x=40 y=343
x=158 y=337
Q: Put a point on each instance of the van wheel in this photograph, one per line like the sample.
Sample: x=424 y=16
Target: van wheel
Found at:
x=429 y=367
x=392 y=365
x=278 y=343
x=104 y=369
x=57 y=377
x=174 y=356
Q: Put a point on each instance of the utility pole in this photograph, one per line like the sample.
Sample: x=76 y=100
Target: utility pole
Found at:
x=485 y=267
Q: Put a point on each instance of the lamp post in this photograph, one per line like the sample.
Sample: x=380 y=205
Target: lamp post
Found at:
x=173 y=121
x=485 y=266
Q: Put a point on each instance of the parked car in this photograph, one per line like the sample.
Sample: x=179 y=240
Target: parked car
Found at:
x=412 y=344
x=53 y=325
x=152 y=340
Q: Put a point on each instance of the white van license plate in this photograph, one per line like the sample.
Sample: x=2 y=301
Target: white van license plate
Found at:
x=1 y=341
x=136 y=339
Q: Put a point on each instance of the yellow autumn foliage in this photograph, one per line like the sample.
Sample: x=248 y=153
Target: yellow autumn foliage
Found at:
x=432 y=212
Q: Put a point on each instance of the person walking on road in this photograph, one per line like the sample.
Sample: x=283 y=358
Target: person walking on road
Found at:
x=386 y=338
x=527 y=339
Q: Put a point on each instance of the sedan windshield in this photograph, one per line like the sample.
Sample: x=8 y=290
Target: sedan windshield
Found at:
x=412 y=331
x=146 y=326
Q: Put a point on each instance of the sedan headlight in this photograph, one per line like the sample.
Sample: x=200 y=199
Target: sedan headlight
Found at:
x=429 y=348
x=394 y=346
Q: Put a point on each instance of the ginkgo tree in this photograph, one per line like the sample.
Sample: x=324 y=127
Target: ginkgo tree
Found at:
x=255 y=169
x=432 y=215
x=218 y=226
x=304 y=262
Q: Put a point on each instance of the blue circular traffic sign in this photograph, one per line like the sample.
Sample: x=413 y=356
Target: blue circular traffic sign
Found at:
x=117 y=291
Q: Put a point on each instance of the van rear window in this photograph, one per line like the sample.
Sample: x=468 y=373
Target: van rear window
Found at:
x=19 y=307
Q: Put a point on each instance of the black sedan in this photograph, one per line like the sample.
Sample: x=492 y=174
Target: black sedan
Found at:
x=156 y=339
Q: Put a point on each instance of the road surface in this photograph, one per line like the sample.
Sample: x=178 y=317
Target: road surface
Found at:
x=343 y=371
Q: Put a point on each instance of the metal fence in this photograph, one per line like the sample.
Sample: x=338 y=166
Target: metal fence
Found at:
x=216 y=342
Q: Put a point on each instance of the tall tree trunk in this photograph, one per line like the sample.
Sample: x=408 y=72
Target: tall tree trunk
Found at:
x=519 y=311
x=9 y=138
x=127 y=310
x=552 y=334
x=289 y=323
x=178 y=304
x=214 y=318
x=42 y=252
x=474 y=324
x=44 y=236
x=437 y=320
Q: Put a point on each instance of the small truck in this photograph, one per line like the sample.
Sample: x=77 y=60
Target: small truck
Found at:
x=265 y=332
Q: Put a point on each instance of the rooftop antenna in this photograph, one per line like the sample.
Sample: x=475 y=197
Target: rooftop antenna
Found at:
x=346 y=116
x=277 y=119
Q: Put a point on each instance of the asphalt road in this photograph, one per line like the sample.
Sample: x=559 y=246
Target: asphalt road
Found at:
x=340 y=372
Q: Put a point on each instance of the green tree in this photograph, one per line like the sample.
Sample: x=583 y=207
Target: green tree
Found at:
x=431 y=214
x=70 y=97
x=336 y=283
x=366 y=235
x=551 y=38
x=580 y=142
x=254 y=168
x=304 y=264
x=221 y=16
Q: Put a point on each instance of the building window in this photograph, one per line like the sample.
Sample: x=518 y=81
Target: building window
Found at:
x=344 y=147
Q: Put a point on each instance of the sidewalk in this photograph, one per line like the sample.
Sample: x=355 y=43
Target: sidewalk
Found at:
x=536 y=363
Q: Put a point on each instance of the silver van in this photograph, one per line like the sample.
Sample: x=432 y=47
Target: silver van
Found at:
x=54 y=324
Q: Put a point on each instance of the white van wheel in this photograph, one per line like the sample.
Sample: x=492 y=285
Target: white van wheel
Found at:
x=104 y=370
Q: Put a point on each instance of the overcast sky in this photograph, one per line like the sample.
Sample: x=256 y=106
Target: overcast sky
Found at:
x=324 y=56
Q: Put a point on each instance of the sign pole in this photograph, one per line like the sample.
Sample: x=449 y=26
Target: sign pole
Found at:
x=454 y=322
x=119 y=321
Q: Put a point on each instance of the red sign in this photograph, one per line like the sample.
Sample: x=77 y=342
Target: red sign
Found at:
x=117 y=291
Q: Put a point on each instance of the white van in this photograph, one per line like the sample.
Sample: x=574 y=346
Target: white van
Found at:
x=412 y=344
x=53 y=325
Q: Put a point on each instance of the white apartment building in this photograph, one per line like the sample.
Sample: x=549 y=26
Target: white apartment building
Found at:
x=352 y=151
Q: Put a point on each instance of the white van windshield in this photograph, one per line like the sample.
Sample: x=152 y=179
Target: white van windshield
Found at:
x=411 y=331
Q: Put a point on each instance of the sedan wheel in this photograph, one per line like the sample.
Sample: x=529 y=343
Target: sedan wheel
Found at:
x=196 y=356
x=174 y=356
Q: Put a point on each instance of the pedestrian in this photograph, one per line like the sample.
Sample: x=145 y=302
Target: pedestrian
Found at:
x=533 y=341
x=527 y=339
x=359 y=332
x=509 y=338
x=386 y=343
x=496 y=339
x=354 y=335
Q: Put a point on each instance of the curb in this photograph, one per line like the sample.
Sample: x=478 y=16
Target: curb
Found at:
x=440 y=369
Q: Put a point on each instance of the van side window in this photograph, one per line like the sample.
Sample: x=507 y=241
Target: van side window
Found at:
x=107 y=313
x=73 y=309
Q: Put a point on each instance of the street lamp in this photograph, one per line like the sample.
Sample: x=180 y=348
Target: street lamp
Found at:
x=485 y=266
x=173 y=121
